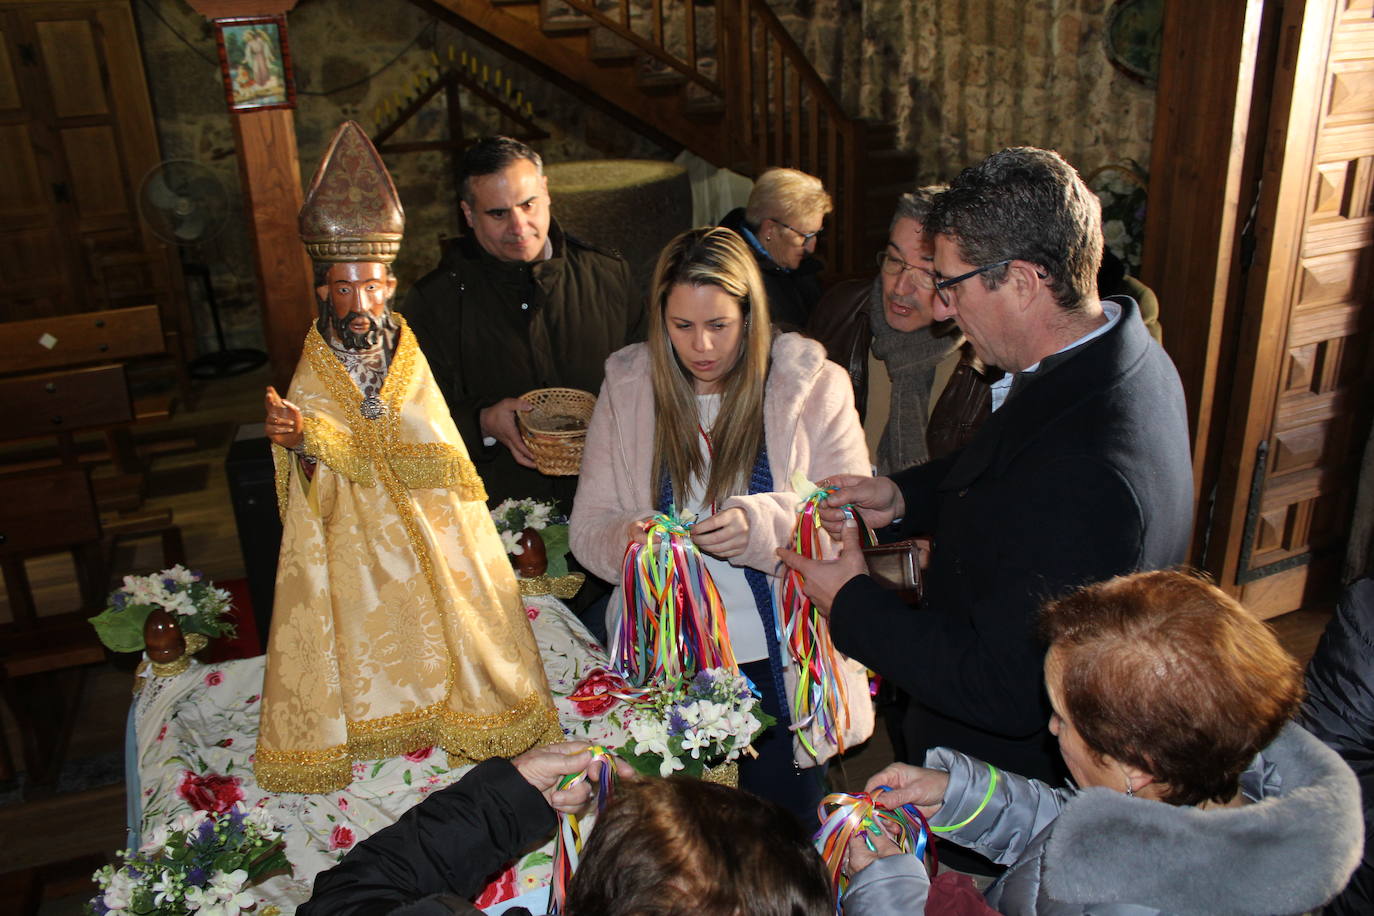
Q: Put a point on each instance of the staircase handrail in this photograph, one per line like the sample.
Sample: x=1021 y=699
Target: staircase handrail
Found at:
x=656 y=50
x=757 y=129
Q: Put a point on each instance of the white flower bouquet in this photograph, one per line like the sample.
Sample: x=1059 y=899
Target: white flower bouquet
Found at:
x=194 y=603
x=513 y=516
x=692 y=725
x=201 y=863
x=1121 y=187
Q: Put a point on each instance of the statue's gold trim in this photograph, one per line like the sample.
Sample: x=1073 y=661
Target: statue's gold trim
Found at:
x=465 y=739
x=559 y=586
x=281 y=467
x=335 y=448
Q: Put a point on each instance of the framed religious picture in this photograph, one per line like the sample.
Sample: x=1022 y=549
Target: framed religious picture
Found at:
x=255 y=62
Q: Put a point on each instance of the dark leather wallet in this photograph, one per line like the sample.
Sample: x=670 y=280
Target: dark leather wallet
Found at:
x=897 y=566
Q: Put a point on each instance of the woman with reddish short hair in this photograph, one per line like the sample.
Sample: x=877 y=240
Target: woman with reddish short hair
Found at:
x=1195 y=792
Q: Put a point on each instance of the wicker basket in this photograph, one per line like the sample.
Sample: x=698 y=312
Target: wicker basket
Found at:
x=556 y=429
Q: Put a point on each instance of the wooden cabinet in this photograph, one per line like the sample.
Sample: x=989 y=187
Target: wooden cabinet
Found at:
x=77 y=134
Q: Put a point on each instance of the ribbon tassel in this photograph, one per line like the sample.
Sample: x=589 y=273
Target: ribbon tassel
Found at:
x=820 y=701
x=672 y=620
x=844 y=816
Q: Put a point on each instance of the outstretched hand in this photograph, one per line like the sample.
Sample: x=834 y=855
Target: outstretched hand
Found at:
x=823 y=579
x=284 y=424
x=544 y=767
x=907 y=784
x=876 y=498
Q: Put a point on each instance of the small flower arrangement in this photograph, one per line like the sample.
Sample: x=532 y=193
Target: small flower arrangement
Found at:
x=694 y=724
x=513 y=516
x=200 y=863
x=195 y=604
x=1121 y=189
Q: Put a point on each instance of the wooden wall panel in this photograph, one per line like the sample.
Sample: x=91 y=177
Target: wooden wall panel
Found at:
x=9 y=87
x=97 y=178
x=20 y=192
x=73 y=68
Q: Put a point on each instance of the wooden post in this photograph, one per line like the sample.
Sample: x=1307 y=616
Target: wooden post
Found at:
x=268 y=168
x=270 y=172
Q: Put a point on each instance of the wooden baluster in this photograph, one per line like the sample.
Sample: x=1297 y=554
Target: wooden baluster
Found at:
x=814 y=139
x=796 y=115
x=658 y=29
x=691 y=32
x=850 y=213
x=759 y=80
x=776 y=100
x=733 y=34
x=832 y=165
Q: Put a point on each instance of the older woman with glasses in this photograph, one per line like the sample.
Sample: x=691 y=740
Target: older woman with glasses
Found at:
x=1194 y=793
x=781 y=222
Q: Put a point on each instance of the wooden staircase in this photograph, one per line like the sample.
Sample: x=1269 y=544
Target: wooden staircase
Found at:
x=721 y=78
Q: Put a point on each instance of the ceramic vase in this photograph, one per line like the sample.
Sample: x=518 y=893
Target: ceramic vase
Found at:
x=169 y=650
x=533 y=559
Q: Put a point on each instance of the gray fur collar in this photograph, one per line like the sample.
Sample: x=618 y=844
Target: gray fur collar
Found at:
x=1290 y=851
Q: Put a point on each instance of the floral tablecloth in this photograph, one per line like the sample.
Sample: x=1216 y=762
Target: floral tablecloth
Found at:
x=192 y=737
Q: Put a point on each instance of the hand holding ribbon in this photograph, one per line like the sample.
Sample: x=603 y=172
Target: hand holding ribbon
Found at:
x=819 y=697
x=603 y=769
x=846 y=819
x=672 y=620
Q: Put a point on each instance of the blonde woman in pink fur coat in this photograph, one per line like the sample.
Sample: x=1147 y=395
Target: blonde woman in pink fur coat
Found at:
x=716 y=400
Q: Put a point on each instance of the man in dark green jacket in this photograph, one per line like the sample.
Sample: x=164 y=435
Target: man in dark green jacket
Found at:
x=513 y=306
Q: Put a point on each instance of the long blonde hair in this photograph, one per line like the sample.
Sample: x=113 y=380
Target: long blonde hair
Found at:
x=709 y=257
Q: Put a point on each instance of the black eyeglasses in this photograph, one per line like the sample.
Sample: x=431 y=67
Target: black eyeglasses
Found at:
x=805 y=236
x=895 y=267
x=942 y=285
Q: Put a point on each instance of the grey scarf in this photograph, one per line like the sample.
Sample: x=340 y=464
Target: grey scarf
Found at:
x=911 y=358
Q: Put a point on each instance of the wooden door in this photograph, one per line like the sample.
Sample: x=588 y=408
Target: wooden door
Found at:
x=77 y=129
x=1301 y=403
x=35 y=245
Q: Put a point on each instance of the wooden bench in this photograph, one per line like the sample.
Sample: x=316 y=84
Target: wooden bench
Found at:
x=38 y=353
x=67 y=341
x=62 y=341
x=53 y=511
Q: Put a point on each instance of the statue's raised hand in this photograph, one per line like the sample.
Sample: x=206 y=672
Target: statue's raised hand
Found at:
x=284 y=424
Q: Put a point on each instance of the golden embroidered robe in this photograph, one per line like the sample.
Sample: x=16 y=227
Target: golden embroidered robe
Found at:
x=397 y=623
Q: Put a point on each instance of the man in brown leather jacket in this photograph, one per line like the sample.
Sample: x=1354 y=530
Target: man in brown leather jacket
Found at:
x=920 y=393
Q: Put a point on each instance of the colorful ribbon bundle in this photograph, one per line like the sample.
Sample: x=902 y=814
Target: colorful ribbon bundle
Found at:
x=672 y=621
x=568 y=844
x=820 y=694
x=844 y=816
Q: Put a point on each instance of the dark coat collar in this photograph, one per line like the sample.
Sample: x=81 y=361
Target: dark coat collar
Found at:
x=735 y=220
x=466 y=248
x=1062 y=382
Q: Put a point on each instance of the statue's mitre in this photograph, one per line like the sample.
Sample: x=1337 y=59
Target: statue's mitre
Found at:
x=352 y=211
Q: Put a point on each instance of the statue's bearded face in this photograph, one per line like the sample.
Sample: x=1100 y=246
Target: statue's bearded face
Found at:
x=359 y=295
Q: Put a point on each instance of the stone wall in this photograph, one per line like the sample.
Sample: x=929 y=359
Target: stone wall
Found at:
x=349 y=57
x=963 y=78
